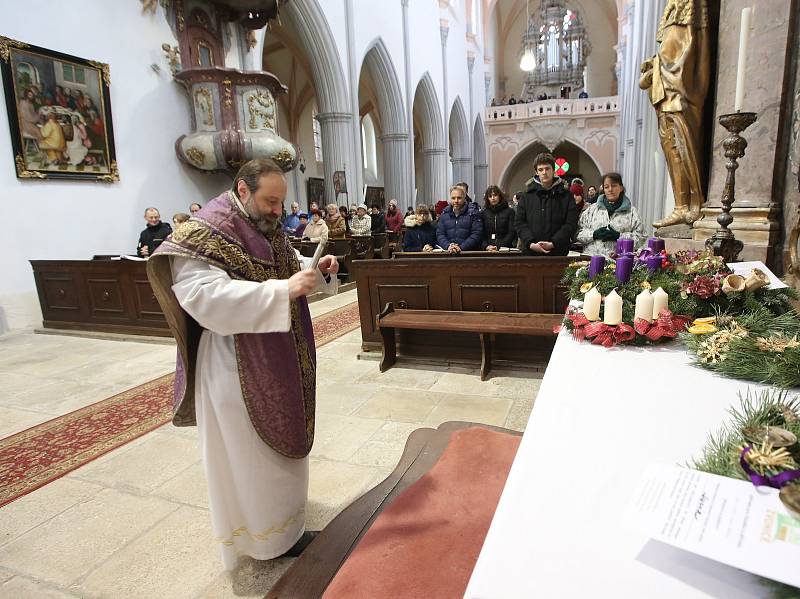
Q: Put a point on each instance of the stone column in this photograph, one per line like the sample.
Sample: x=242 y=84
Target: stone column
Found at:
x=444 y=30
x=337 y=153
x=409 y=103
x=434 y=172
x=470 y=121
x=396 y=168
x=481 y=180
x=357 y=182
x=759 y=192
x=487 y=81
x=462 y=171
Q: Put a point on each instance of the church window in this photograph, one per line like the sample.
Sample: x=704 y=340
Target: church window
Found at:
x=317 y=136
x=369 y=152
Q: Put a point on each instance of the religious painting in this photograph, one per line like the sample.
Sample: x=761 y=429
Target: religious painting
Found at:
x=59 y=113
x=339 y=183
x=375 y=195
x=316 y=192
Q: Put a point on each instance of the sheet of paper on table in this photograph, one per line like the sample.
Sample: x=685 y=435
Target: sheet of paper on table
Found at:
x=744 y=268
x=724 y=519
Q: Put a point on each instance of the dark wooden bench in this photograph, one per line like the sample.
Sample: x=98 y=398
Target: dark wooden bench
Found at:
x=312 y=572
x=485 y=324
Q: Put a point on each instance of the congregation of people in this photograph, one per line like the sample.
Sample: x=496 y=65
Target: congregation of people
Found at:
x=549 y=217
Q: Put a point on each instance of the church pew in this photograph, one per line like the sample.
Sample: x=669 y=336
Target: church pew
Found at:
x=485 y=324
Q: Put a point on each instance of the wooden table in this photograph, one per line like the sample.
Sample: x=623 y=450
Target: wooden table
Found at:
x=104 y=295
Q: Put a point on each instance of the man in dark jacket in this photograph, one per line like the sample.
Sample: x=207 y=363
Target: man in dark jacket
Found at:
x=153 y=235
x=378 y=220
x=547 y=217
x=459 y=229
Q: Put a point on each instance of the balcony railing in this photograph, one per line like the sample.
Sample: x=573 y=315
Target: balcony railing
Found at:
x=553 y=108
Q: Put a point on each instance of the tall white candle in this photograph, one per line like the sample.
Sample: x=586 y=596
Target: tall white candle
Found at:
x=644 y=306
x=612 y=315
x=744 y=36
x=660 y=302
x=591 y=304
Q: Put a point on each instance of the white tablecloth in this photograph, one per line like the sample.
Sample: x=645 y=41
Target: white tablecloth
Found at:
x=600 y=417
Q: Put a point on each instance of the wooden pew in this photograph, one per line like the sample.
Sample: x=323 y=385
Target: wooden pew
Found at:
x=485 y=324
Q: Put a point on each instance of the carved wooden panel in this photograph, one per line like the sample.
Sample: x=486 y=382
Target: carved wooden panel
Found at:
x=487 y=298
x=61 y=292
x=146 y=304
x=105 y=296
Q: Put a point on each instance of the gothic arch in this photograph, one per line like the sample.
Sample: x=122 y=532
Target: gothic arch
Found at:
x=378 y=64
x=431 y=181
x=430 y=114
x=460 y=150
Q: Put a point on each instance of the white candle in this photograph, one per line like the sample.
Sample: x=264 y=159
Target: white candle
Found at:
x=744 y=36
x=660 y=302
x=644 y=306
x=591 y=304
x=612 y=315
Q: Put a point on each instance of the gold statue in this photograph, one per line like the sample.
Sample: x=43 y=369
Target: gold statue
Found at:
x=677 y=81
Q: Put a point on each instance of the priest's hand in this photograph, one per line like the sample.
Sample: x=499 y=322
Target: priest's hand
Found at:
x=328 y=265
x=302 y=283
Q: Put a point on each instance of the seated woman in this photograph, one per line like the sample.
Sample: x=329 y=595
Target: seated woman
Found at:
x=610 y=218
x=498 y=221
x=420 y=235
x=337 y=227
x=316 y=231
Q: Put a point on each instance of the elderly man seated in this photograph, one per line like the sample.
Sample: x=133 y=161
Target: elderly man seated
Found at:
x=292 y=220
x=361 y=223
x=459 y=229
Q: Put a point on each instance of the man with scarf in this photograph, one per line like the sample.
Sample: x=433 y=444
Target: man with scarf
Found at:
x=233 y=291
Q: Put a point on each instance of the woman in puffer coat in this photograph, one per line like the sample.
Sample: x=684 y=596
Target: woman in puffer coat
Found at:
x=498 y=221
x=608 y=219
x=420 y=235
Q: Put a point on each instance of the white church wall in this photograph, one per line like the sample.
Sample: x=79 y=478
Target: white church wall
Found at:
x=77 y=219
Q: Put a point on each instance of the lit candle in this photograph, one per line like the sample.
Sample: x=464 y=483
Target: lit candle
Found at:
x=653 y=263
x=624 y=268
x=656 y=245
x=591 y=304
x=596 y=265
x=744 y=36
x=660 y=302
x=644 y=306
x=612 y=315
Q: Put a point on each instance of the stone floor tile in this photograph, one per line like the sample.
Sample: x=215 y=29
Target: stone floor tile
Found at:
x=58 y=396
x=70 y=545
x=339 y=437
x=333 y=486
x=251 y=579
x=342 y=398
x=485 y=410
x=5 y=575
x=145 y=466
x=176 y=558
x=408 y=377
x=39 y=506
x=20 y=587
x=14 y=420
x=510 y=384
x=189 y=487
x=519 y=414
x=399 y=405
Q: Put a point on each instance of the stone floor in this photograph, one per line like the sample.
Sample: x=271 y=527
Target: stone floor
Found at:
x=135 y=523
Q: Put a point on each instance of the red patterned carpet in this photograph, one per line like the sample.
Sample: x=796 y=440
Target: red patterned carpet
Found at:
x=43 y=453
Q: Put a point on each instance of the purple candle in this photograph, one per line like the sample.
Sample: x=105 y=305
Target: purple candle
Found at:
x=596 y=266
x=656 y=245
x=624 y=268
x=624 y=246
x=654 y=263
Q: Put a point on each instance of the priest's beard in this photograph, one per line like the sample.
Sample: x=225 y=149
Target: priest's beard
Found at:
x=265 y=223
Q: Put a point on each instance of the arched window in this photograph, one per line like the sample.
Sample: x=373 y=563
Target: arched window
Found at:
x=369 y=152
x=561 y=43
x=317 y=136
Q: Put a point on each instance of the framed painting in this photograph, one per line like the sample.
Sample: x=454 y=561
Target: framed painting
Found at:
x=316 y=192
x=375 y=195
x=59 y=114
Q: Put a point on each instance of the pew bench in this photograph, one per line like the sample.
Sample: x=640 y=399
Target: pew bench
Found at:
x=485 y=324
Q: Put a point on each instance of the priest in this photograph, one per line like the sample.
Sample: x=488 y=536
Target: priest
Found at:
x=234 y=294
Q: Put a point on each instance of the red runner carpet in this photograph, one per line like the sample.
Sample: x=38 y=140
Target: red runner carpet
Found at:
x=426 y=543
x=47 y=451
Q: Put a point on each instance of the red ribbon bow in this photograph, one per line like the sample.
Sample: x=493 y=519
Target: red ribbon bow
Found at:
x=667 y=325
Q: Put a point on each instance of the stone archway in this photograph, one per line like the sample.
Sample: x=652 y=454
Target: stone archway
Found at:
x=460 y=152
x=305 y=21
x=378 y=67
x=480 y=167
x=433 y=152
